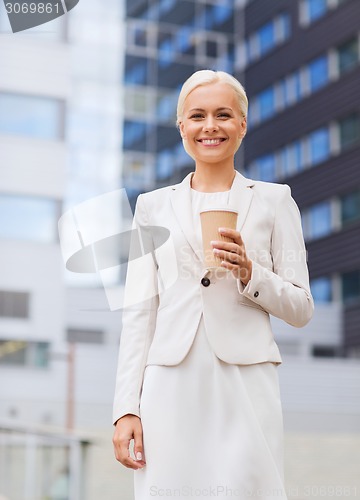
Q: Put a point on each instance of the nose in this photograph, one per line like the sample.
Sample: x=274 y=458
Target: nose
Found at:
x=210 y=125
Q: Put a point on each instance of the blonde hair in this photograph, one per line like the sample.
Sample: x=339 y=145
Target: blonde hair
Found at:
x=205 y=77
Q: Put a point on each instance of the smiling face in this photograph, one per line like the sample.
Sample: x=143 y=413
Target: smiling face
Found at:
x=212 y=125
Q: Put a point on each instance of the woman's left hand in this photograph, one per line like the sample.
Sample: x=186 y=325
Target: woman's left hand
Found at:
x=233 y=254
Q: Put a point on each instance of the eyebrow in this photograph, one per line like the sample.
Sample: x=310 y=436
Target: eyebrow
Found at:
x=200 y=109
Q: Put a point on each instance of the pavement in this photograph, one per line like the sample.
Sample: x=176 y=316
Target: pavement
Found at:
x=322 y=466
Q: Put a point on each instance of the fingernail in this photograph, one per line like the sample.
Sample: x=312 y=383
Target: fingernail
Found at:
x=221 y=229
x=213 y=242
x=139 y=455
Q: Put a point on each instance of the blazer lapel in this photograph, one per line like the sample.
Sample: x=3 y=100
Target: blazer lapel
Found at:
x=181 y=203
x=240 y=199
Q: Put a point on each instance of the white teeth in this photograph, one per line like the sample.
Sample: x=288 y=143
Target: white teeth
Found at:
x=211 y=141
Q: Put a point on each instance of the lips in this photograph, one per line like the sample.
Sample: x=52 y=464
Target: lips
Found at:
x=211 y=142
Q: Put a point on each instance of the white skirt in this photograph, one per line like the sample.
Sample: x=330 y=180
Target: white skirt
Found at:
x=211 y=429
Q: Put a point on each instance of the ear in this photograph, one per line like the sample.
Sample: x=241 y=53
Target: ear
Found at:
x=243 y=127
x=182 y=130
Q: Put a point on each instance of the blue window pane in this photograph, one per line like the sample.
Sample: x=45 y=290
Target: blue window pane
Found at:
x=151 y=13
x=298 y=156
x=319 y=73
x=166 y=53
x=266 y=167
x=134 y=132
x=348 y=55
x=320 y=220
x=285 y=25
x=350 y=207
x=266 y=38
x=166 y=107
x=30 y=116
x=267 y=103
x=316 y=9
x=181 y=158
x=28 y=218
x=224 y=64
x=252 y=114
x=285 y=162
x=136 y=75
x=298 y=86
x=166 y=5
x=284 y=94
x=293 y=88
x=248 y=51
x=321 y=289
x=222 y=13
x=319 y=146
x=209 y=18
x=165 y=165
x=292 y=158
x=351 y=286
x=183 y=38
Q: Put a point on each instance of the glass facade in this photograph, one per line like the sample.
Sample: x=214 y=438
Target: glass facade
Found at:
x=31 y=116
x=308 y=151
x=349 y=131
x=294 y=88
x=28 y=218
x=181 y=38
x=319 y=142
x=351 y=286
x=266 y=168
x=266 y=104
x=313 y=10
x=291 y=159
x=321 y=289
x=185 y=36
x=267 y=37
x=350 y=207
x=319 y=220
x=318 y=73
x=348 y=55
x=24 y=353
x=14 y=304
x=316 y=9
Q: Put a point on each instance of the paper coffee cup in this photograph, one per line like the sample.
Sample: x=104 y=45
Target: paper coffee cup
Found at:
x=211 y=220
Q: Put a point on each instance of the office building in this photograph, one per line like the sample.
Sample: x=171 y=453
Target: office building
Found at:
x=301 y=68
x=166 y=41
x=299 y=62
x=60 y=144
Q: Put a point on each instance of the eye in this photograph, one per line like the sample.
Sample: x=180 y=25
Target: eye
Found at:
x=197 y=116
x=224 y=115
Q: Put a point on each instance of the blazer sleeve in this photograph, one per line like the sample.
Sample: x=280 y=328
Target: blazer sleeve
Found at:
x=138 y=318
x=283 y=291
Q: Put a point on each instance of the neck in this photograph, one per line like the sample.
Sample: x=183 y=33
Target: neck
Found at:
x=212 y=178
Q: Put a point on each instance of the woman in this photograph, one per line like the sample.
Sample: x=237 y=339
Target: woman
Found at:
x=197 y=384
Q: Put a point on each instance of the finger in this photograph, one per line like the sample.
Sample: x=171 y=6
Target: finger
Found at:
x=232 y=257
x=122 y=455
x=238 y=270
x=231 y=233
x=130 y=463
x=226 y=245
x=138 y=445
x=231 y=267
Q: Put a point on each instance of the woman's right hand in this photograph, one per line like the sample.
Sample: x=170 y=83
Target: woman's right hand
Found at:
x=127 y=428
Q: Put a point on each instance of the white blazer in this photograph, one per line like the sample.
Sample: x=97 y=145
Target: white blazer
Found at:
x=159 y=326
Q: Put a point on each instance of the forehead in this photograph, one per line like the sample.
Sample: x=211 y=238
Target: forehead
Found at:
x=216 y=95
